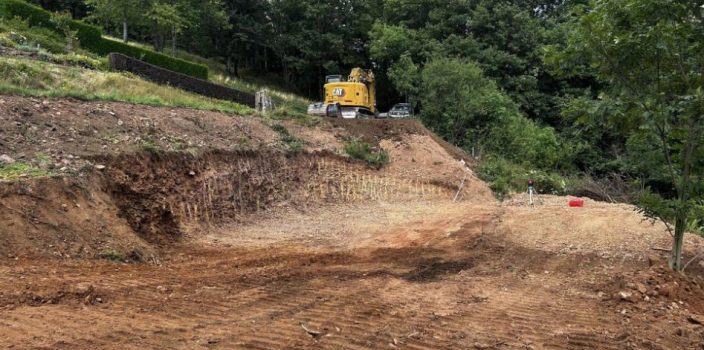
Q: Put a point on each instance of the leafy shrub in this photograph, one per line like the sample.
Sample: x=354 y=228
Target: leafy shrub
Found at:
x=91 y=38
x=505 y=177
x=363 y=151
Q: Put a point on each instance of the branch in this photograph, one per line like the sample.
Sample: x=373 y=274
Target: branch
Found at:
x=692 y=260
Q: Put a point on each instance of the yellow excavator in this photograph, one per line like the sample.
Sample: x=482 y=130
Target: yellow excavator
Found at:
x=351 y=98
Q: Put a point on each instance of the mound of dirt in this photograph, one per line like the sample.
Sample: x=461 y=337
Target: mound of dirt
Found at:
x=64 y=218
x=419 y=156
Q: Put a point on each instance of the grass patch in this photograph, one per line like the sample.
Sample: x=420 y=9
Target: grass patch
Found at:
x=36 y=78
x=363 y=151
x=19 y=170
x=112 y=255
x=151 y=148
x=293 y=143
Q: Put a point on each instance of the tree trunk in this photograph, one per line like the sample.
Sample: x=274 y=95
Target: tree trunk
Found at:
x=155 y=36
x=124 y=31
x=678 y=243
x=173 y=43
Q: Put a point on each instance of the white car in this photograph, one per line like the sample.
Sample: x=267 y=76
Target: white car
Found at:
x=401 y=110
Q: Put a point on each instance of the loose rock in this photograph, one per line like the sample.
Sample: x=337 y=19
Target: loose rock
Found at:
x=5 y=160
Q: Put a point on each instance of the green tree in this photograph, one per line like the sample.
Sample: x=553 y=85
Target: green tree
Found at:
x=122 y=12
x=62 y=20
x=468 y=109
x=167 y=18
x=651 y=55
x=405 y=76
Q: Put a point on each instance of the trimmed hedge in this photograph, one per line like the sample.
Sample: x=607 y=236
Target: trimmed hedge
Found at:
x=91 y=38
x=107 y=46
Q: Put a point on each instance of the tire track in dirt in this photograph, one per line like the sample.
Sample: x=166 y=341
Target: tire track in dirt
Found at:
x=458 y=285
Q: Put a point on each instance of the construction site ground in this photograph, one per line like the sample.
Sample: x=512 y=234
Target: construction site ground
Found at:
x=405 y=267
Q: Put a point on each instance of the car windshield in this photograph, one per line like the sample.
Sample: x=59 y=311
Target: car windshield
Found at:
x=400 y=108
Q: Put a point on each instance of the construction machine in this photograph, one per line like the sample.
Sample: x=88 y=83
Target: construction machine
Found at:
x=354 y=97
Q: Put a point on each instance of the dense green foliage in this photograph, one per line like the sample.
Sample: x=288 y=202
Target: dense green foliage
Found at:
x=651 y=55
x=90 y=38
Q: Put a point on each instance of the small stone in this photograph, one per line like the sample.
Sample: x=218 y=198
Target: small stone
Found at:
x=100 y=167
x=696 y=319
x=161 y=289
x=5 y=159
x=192 y=173
x=626 y=296
x=641 y=288
x=120 y=122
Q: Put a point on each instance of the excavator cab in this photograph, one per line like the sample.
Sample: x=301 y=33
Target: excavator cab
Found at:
x=333 y=79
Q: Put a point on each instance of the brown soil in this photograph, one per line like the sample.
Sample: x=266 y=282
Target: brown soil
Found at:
x=445 y=278
x=242 y=245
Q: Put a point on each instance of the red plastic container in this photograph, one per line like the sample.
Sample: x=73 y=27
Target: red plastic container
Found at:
x=576 y=203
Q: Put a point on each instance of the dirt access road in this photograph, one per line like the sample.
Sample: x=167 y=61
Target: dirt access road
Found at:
x=411 y=276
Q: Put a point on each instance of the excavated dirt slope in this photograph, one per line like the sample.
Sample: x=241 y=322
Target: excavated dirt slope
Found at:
x=246 y=246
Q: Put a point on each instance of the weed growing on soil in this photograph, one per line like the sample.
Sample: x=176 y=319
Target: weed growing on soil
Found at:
x=19 y=170
x=363 y=151
x=293 y=143
x=112 y=255
x=151 y=148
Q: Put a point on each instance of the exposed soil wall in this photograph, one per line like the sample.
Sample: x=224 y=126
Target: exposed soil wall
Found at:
x=63 y=218
x=167 y=195
x=143 y=201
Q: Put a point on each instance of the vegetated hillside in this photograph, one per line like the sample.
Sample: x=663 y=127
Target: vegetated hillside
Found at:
x=39 y=64
x=122 y=177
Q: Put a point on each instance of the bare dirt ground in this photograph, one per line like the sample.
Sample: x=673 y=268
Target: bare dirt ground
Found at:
x=431 y=275
x=244 y=246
